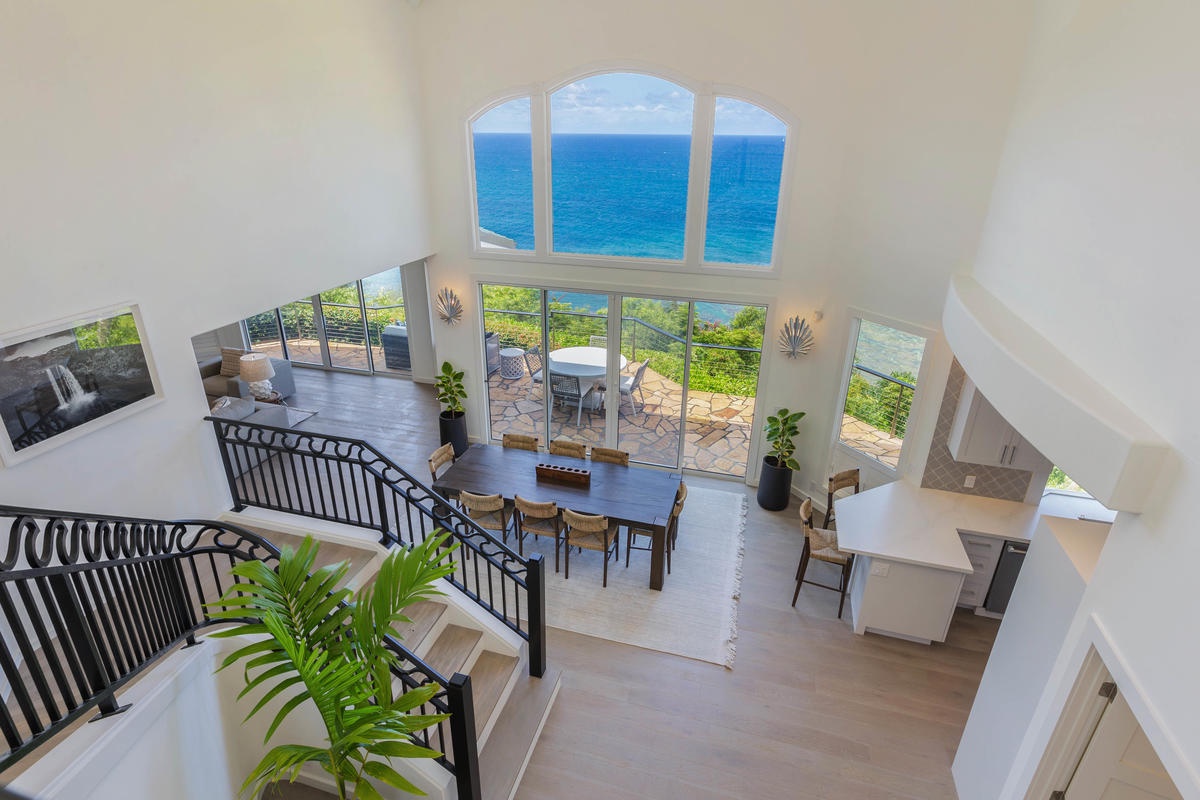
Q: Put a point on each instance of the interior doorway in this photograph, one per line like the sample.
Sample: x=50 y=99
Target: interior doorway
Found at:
x=1098 y=750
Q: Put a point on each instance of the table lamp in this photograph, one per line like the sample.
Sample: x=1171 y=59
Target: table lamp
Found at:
x=256 y=371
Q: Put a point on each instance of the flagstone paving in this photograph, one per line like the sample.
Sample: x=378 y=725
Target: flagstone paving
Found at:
x=716 y=430
x=867 y=439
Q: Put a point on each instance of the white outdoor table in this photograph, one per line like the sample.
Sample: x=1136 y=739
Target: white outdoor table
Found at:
x=581 y=362
x=585 y=363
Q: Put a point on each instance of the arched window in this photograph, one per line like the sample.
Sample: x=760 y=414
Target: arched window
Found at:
x=743 y=183
x=620 y=150
x=504 y=176
x=633 y=170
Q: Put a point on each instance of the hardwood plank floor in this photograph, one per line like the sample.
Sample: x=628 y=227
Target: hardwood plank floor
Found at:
x=809 y=710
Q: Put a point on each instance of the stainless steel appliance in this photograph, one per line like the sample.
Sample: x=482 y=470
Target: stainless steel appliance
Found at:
x=1011 y=559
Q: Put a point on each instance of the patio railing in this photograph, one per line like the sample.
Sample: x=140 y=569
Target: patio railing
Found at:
x=885 y=412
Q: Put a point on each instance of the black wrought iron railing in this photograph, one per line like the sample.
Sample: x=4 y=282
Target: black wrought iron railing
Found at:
x=88 y=602
x=348 y=481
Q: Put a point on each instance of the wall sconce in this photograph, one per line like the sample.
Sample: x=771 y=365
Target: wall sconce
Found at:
x=795 y=339
x=449 y=307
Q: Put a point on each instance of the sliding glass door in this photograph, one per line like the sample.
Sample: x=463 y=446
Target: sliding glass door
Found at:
x=358 y=326
x=672 y=380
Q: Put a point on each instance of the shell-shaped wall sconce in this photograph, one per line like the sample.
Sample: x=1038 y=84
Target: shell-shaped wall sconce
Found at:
x=796 y=338
x=448 y=306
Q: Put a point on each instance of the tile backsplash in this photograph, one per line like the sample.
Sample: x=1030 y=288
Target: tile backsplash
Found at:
x=943 y=472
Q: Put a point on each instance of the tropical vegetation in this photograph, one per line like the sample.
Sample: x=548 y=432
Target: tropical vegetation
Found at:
x=316 y=643
x=725 y=353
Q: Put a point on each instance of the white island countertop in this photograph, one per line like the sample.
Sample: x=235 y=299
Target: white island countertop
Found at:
x=902 y=522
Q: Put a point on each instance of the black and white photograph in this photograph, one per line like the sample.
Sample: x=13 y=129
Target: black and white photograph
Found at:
x=62 y=379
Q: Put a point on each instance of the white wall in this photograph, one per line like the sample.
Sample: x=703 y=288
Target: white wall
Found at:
x=206 y=160
x=901 y=112
x=1091 y=238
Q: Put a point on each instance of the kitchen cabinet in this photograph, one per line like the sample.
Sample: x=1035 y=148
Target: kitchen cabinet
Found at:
x=984 y=553
x=980 y=435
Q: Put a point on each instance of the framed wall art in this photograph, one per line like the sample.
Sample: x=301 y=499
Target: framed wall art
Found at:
x=62 y=380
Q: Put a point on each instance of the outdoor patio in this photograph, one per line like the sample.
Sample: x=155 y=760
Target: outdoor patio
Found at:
x=716 y=434
x=865 y=438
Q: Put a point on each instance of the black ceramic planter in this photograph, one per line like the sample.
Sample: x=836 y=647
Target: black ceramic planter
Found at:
x=453 y=427
x=774 y=485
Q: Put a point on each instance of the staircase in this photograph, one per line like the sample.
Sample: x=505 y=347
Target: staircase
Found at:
x=451 y=635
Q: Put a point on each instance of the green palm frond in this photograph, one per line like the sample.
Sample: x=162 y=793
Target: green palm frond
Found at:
x=316 y=642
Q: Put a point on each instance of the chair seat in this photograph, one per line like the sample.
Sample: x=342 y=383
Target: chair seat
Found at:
x=592 y=540
x=829 y=555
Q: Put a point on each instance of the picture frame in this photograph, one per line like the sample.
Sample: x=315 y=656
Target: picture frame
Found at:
x=64 y=379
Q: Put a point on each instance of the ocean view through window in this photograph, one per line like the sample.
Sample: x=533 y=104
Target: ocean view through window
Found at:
x=618 y=177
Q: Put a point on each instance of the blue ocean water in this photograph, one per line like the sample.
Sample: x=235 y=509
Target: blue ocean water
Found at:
x=626 y=194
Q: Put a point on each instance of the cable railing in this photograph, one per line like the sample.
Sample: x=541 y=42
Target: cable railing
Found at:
x=89 y=602
x=884 y=404
x=348 y=481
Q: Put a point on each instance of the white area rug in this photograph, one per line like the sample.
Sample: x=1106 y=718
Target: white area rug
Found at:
x=695 y=614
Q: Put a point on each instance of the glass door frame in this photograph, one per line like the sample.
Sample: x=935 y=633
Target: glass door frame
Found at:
x=614 y=323
x=322 y=332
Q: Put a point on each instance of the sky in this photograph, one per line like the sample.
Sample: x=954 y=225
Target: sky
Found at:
x=629 y=103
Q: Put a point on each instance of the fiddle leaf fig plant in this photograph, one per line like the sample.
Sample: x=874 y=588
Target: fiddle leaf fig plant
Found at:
x=450 y=389
x=317 y=643
x=781 y=430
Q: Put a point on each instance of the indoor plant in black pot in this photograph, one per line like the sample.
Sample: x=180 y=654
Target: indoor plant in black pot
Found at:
x=775 y=480
x=452 y=422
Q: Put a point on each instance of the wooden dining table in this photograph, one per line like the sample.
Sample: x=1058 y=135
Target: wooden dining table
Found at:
x=636 y=496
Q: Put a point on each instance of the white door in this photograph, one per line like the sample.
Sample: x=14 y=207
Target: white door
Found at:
x=1120 y=763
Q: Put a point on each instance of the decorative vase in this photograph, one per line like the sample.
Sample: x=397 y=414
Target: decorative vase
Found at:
x=452 y=425
x=774 y=485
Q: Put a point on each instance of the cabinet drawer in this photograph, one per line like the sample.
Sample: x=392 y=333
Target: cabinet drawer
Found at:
x=984 y=553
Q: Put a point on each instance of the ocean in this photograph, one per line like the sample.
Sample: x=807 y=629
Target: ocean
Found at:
x=626 y=194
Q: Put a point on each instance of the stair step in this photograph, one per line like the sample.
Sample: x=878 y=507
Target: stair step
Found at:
x=506 y=753
x=294 y=791
x=489 y=675
x=449 y=653
x=424 y=615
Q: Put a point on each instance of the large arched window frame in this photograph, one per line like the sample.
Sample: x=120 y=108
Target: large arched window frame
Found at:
x=700 y=165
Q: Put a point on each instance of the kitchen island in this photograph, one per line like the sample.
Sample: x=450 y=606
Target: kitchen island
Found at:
x=910 y=561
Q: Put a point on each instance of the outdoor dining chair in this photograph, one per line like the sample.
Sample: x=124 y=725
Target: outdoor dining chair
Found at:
x=565 y=389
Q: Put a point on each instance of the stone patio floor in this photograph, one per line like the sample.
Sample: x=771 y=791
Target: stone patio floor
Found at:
x=878 y=444
x=716 y=433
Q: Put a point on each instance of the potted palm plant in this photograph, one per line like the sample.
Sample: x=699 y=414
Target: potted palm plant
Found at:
x=316 y=643
x=775 y=479
x=452 y=422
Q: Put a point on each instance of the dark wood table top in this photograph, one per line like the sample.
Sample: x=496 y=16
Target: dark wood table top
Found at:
x=630 y=495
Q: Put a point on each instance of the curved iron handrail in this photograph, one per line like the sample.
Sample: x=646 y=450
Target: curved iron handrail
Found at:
x=349 y=481
x=90 y=601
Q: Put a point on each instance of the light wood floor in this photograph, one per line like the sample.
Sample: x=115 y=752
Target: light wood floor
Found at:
x=810 y=710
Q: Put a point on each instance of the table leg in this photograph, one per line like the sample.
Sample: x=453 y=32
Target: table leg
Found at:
x=658 y=556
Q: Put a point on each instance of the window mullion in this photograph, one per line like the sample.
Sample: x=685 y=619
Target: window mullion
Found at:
x=703 y=112
x=539 y=140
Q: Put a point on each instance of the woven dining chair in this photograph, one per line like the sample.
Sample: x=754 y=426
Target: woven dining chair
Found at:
x=519 y=441
x=537 y=519
x=439 y=458
x=565 y=447
x=533 y=364
x=672 y=530
x=489 y=511
x=590 y=532
x=822 y=545
x=607 y=455
x=846 y=479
